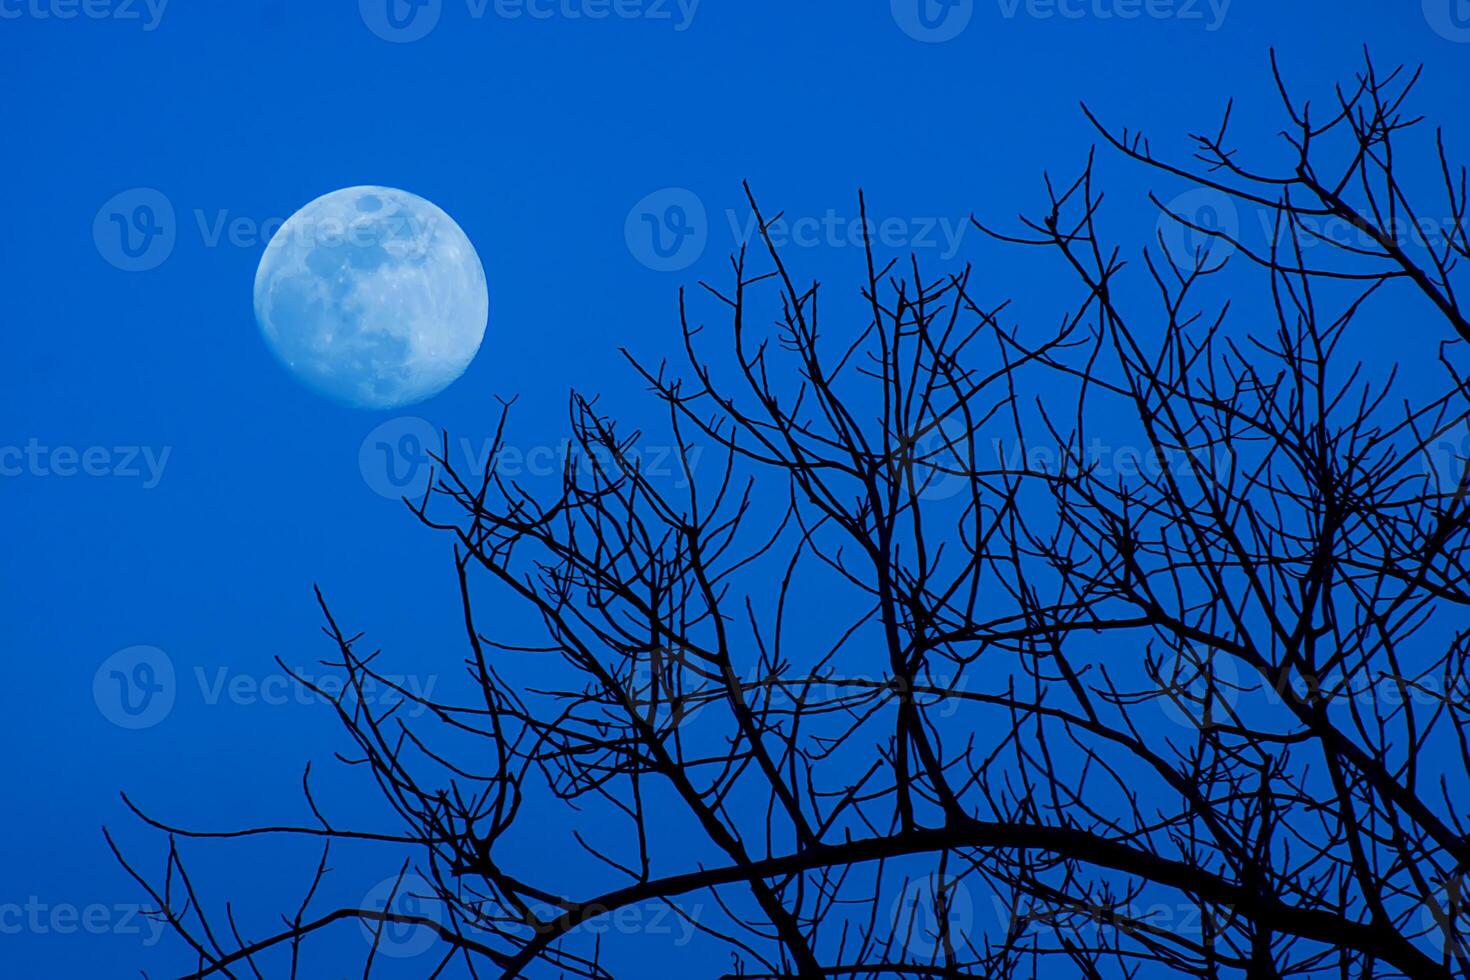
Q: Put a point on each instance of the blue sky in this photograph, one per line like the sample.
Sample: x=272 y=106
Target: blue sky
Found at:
x=168 y=485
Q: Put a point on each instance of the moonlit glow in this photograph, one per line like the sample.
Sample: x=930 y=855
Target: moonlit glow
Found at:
x=372 y=296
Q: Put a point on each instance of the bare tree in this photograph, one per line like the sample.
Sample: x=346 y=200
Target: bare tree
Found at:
x=907 y=649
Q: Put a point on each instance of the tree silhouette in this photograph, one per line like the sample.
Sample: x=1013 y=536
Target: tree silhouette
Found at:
x=912 y=680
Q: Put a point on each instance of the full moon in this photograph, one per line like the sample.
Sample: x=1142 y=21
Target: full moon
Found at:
x=373 y=297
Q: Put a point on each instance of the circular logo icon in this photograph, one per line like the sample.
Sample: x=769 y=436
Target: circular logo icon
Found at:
x=135 y=230
x=1204 y=215
x=931 y=912
x=1196 y=689
x=394 y=457
x=411 y=897
x=941 y=461
x=400 y=21
x=933 y=21
x=134 y=688
x=667 y=230
x=1447 y=929
x=653 y=695
x=1446 y=458
x=1449 y=18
